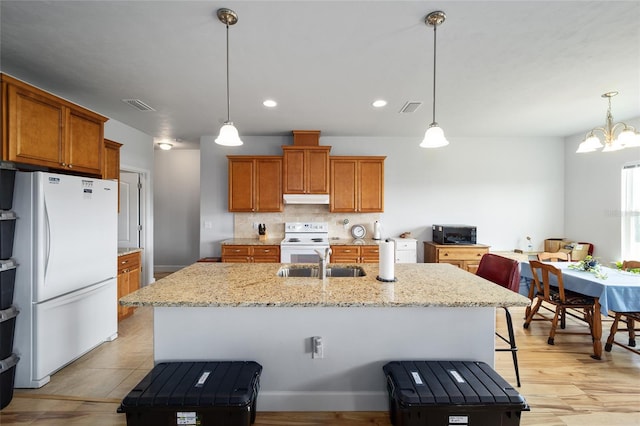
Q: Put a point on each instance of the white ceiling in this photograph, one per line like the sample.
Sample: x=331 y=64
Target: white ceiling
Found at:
x=505 y=68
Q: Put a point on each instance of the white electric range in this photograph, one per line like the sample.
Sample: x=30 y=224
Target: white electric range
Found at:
x=302 y=239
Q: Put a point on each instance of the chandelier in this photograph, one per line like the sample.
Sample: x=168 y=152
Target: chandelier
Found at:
x=434 y=136
x=616 y=136
x=228 y=133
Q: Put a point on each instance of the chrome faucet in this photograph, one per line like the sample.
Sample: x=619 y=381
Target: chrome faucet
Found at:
x=322 y=263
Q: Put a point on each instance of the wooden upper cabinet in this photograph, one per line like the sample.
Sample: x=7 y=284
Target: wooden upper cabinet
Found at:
x=255 y=183
x=111 y=164
x=44 y=130
x=357 y=184
x=306 y=169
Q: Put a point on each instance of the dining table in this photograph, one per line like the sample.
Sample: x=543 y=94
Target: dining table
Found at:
x=613 y=290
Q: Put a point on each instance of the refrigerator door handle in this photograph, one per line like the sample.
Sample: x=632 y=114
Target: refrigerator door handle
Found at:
x=47 y=238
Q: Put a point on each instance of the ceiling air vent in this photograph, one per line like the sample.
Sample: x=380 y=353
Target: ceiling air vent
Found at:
x=410 y=106
x=138 y=104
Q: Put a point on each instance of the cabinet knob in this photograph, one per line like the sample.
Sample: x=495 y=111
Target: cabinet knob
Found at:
x=446 y=254
x=71 y=166
x=63 y=164
x=124 y=262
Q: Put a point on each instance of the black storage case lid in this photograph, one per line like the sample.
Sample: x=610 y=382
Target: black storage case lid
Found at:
x=445 y=383
x=196 y=384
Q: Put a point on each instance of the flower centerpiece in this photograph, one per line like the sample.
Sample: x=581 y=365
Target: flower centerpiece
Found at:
x=589 y=264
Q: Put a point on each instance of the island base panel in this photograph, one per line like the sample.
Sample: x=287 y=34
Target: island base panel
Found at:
x=357 y=342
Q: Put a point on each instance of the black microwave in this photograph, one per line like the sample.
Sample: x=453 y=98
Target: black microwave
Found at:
x=454 y=234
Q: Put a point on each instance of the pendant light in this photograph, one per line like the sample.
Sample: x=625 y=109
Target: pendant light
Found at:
x=228 y=133
x=434 y=136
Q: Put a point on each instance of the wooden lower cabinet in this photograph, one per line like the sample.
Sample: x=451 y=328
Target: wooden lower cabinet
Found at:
x=355 y=254
x=466 y=257
x=128 y=280
x=251 y=253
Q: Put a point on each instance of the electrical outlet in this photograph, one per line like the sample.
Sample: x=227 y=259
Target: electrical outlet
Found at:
x=255 y=225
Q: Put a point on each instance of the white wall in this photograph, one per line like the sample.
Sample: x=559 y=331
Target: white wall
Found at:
x=508 y=188
x=593 y=190
x=136 y=155
x=176 y=209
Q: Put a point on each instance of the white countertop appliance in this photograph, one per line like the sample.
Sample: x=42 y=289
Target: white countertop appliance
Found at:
x=66 y=243
x=302 y=239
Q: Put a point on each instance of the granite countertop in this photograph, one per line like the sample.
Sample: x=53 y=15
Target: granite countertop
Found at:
x=354 y=242
x=252 y=241
x=128 y=250
x=257 y=285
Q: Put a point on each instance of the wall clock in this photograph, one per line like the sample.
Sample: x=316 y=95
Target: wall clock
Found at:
x=358 y=231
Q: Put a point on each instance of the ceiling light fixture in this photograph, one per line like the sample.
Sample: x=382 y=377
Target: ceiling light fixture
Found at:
x=627 y=138
x=270 y=103
x=379 y=103
x=228 y=133
x=434 y=136
x=166 y=146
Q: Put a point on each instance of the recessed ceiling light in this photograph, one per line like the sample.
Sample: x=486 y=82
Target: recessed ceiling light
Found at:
x=270 y=103
x=165 y=146
x=379 y=103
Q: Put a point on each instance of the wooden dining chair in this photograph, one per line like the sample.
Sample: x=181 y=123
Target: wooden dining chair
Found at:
x=506 y=273
x=628 y=318
x=558 y=256
x=556 y=295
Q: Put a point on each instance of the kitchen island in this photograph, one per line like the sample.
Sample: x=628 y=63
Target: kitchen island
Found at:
x=217 y=311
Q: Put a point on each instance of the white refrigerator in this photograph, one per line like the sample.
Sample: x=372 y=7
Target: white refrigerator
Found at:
x=65 y=246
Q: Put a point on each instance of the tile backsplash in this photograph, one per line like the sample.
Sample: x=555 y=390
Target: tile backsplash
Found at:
x=243 y=222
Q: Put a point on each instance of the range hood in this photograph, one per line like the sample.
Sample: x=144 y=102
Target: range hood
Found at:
x=306 y=198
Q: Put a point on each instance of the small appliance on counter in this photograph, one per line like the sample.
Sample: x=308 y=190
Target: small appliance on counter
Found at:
x=454 y=234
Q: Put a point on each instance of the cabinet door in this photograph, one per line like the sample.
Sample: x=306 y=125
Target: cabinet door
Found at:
x=371 y=192
x=34 y=129
x=241 y=193
x=123 y=290
x=266 y=254
x=317 y=170
x=343 y=185
x=84 y=147
x=345 y=254
x=293 y=171
x=268 y=184
x=236 y=253
x=370 y=254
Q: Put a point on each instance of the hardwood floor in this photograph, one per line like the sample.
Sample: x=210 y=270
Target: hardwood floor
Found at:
x=561 y=383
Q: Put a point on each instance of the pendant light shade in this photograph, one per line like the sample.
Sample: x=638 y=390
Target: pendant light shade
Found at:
x=228 y=133
x=434 y=136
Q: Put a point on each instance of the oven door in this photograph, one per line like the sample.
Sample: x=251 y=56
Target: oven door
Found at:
x=300 y=253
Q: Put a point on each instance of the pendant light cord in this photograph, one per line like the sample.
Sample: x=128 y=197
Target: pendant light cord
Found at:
x=228 y=97
x=434 y=73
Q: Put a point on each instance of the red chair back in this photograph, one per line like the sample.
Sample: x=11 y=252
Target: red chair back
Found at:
x=500 y=270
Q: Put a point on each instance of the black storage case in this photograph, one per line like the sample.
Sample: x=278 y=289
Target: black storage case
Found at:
x=7 y=228
x=7 y=378
x=7 y=329
x=214 y=393
x=445 y=393
x=7 y=282
x=7 y=180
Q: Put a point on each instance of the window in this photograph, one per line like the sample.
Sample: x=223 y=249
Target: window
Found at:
x=631 y=211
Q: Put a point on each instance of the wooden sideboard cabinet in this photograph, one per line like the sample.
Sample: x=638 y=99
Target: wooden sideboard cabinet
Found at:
x=251 y=253
x=466 y=257
x=44 y=130
x=306 y=169
x=357 y=184
x=128 y=280
x=355 y=254
x=255 y=183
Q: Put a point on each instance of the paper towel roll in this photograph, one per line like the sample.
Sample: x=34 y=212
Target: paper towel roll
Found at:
x=387 y=258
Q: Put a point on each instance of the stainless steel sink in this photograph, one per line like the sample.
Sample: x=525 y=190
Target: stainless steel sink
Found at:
x=312 y=271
